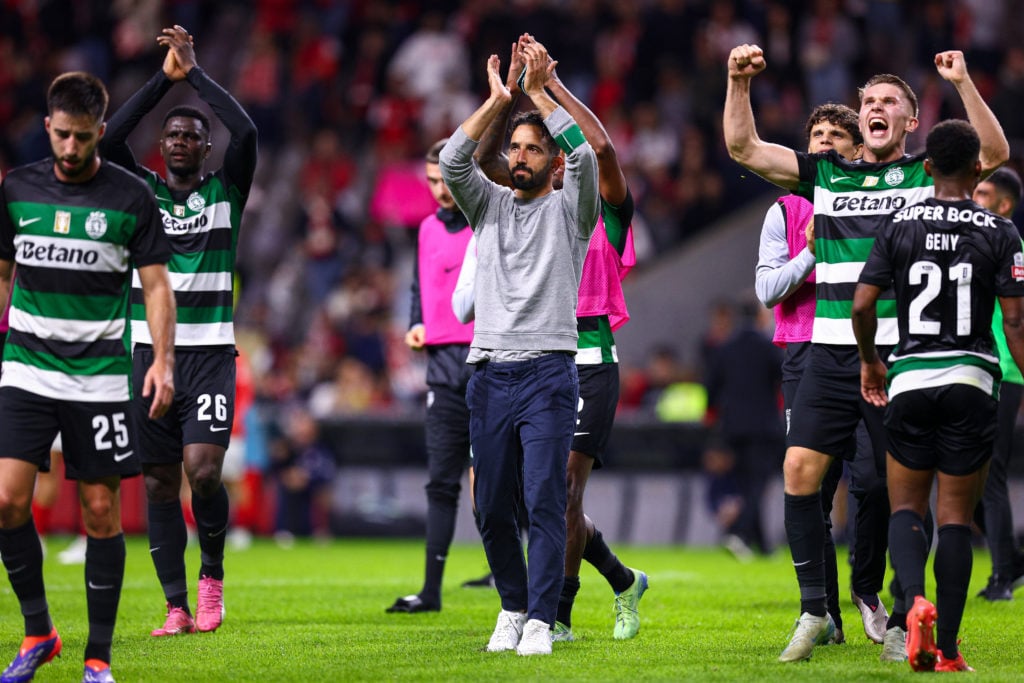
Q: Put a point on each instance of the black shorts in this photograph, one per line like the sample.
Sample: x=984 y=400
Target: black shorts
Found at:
x=827 y=407
x=99 y=438
x=949 y=428
x=203 y=409
x=599 y=396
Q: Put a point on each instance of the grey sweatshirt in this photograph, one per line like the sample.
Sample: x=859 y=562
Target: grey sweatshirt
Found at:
x=529 y=252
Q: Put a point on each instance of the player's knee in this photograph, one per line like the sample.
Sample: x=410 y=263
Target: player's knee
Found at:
x=205 y=481
x=443 y=493
x=14 y=509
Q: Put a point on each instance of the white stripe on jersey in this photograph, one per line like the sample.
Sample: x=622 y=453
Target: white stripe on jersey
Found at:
x=593 y=356
x=867 y=202
x=68 y=253
x=909 y=380
x=218 y=217
x=58 y=385
x=193 y=282
x=838 y=273
x=62 y=329
x=191 y=334
x=840 y=331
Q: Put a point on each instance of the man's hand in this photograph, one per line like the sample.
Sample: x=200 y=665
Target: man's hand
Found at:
x=499 y=91
x=539 y=67
x=951 y=66
x=809 y=234
x=416 y=337
x=159 y=382
x=181 y=56
x=872 y=383
x=746 y=61
x=516 y=64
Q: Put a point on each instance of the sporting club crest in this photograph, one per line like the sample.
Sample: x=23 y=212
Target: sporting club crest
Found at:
x=96 y=224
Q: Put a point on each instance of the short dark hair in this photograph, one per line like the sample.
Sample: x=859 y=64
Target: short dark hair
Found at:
x=78 y=93
x=838 y=115
x=434 y=153
x=953 y=147
x=535 y=119
x=1007 y=182
x=188 y=112
x=891 y=80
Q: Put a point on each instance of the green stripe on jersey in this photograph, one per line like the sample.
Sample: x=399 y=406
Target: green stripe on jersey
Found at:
x=74 y=222
x=839 y=310
x=843 y=251
x=106 y=365
x=595 y=332
x=191 y=315
x=59 y=305
x=212 y=261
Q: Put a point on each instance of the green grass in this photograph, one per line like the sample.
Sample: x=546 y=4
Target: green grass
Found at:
x=316 y=613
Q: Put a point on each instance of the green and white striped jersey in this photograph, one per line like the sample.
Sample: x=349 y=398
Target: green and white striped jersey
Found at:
x=74 y=245
x=202 y=228
x=852 y=201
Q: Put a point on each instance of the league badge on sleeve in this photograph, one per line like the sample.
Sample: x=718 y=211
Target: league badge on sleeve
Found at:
x=1017 y=269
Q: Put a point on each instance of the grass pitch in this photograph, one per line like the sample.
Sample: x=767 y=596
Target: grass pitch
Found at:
x=315 y=612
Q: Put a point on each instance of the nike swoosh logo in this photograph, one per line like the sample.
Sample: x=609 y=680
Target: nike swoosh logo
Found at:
x=217 y=429
x=581 y=434
x=215 y=534
x=838 y=178
x=153 y=550
x=800 y=564
x=97 y=587
x=22 y=222
x=448 y=270
x=118 y=457
x=17 y=569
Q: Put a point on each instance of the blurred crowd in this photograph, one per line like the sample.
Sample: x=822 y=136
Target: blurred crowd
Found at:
x=347 y=95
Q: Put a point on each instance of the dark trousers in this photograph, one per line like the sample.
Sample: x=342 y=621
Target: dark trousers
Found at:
x=522 y=418
x=447 y=431
x=994 y=515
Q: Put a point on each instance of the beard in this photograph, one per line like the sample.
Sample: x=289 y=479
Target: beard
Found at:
x=532 y=180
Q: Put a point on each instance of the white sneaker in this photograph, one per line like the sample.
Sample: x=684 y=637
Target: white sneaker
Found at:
x=894 y=648
x=75 y=552
x=507 y=631
x=536 y=639
x=874 y=620
x=808 y=631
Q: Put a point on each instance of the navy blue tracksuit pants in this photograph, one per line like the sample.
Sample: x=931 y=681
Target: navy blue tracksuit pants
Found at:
x=522 y=419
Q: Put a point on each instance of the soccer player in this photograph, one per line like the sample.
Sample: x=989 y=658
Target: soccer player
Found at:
x=531 y=243
x=201 y=216
x=601 y=310
x=75 y=225
x=1000 y=193
x=851 y=201
x=947 y=259
x=442 y=241
x=784 y=281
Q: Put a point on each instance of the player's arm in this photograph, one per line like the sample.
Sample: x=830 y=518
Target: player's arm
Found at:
x=114 y=144
x=1013 y=327
x=611 y=179
x=160 y=316
x=464 y=295
x=995 y=148
x=240 y=155
x=468 y=186
x=416 y=334
x=489 y=154
x=774 y=163
x=865 y=324
x=777 y=276
x=6 y=276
